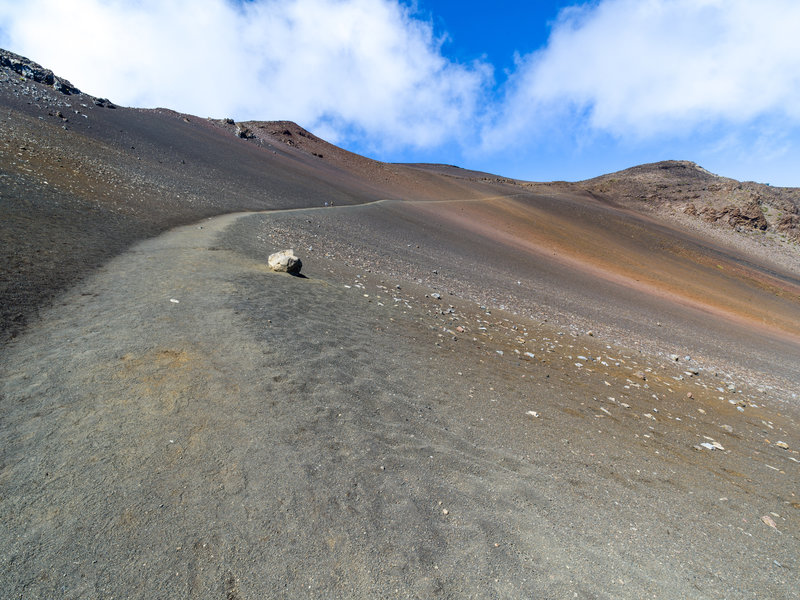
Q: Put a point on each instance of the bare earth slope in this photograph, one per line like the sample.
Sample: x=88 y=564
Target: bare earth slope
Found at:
x=81 y=179
x=481 y=388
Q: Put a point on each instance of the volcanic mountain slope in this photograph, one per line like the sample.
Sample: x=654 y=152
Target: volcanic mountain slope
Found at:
x=105 y=176
x=480 y=388
x=82 y=179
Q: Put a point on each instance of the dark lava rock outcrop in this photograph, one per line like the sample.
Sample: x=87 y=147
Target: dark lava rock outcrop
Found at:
x=34 y=71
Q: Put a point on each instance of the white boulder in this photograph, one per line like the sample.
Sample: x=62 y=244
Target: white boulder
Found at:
x=285 y=261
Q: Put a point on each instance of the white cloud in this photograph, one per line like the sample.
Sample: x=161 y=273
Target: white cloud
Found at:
x=332 y=65
x=638 y=69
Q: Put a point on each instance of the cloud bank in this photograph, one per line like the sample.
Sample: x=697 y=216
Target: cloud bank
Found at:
x=645 y=68
x=625 y=70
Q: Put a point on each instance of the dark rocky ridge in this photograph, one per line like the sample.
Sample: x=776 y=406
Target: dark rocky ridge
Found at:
x=685 y=186
x=34 y=71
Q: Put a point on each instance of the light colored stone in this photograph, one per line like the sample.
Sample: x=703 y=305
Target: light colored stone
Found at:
x=285 y=261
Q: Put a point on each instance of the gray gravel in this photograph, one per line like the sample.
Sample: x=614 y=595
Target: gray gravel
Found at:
x=185 y=423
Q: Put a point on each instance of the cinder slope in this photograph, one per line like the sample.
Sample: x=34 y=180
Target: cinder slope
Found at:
x=81 y=179
x=469 y=394
x=186 y=423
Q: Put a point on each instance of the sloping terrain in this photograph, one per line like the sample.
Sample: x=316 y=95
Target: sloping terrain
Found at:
x=480 y=387
x=82 y=179
x=684 y=186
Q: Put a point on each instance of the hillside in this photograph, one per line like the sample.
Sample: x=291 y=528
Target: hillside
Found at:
x=687 y=187
x=478 y=388
x=83 y=179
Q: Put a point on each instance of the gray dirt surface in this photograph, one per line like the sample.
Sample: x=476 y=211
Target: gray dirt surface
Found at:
x=278 y=436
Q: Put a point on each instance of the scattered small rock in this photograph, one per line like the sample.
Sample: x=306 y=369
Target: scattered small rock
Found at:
x=769 y=521
x=712 y=445
x=783 y=445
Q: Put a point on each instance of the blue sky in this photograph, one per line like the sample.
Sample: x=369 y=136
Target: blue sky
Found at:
x=536 y=90
x=474 y=33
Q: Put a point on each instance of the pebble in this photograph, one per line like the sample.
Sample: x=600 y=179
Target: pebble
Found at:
x=768 y=521
x=783 y=445
x=710 y=446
